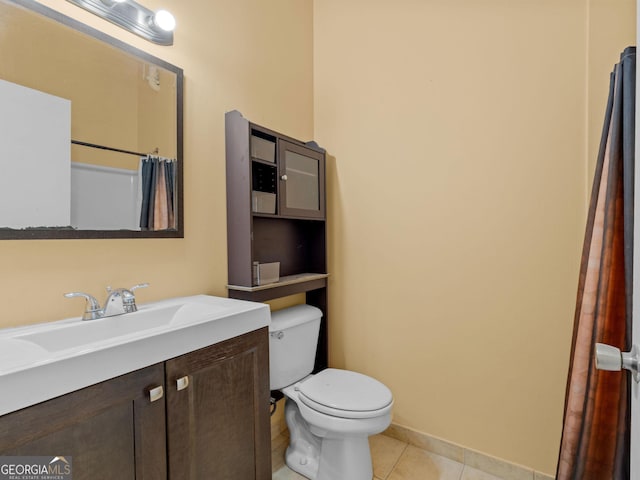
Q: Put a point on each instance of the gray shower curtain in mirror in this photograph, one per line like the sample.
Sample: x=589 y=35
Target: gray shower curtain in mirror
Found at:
x=596 y=430
x=157 y=184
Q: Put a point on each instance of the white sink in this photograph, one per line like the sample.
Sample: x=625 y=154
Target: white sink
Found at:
x=148 y=318
x=43 y=361
x=82 y=333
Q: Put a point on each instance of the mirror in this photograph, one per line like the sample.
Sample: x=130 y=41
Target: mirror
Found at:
x=80 y=111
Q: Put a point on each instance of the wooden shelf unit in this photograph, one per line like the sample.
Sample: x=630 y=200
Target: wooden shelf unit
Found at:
x=294 y=235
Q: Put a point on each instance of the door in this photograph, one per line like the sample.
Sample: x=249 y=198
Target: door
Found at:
x=609 y=358
x=114 y=429
x=301 y=187
x=218 y=411
x=632 y=359
x=635 y=387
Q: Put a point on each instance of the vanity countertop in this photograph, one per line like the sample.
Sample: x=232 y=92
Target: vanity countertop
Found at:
x=43 y=361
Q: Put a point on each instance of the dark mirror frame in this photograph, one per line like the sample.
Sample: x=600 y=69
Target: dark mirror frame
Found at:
x=63 y=233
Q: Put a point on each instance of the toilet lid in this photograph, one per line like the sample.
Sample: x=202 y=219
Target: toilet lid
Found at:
x=346 y=390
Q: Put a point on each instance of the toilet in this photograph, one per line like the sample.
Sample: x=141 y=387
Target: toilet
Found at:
x=331 y=414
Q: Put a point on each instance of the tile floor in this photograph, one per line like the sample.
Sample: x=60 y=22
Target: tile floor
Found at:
x=396 y=460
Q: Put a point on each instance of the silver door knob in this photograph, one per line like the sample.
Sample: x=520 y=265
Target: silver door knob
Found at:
x=612 y=359
x=284 y=178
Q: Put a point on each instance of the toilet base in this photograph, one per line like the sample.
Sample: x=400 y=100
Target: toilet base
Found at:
x=347 y=458
x=325 y=457
x=303 y=453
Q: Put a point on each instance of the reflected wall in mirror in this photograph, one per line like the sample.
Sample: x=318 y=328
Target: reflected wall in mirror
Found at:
x=81 y=113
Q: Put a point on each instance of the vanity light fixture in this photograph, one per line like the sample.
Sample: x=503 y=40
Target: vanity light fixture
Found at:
x=163 y=20
x=157 y=27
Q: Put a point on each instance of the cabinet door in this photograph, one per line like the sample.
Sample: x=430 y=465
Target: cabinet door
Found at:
x=110 y=430
x=218 y=411
x=301 y=181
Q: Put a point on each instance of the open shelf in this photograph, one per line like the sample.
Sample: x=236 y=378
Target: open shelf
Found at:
x=288 y=285
x=287 y=280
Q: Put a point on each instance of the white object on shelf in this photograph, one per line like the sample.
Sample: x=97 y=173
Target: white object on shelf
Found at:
x=263 y=202
x=266 y=273
x=263 y=149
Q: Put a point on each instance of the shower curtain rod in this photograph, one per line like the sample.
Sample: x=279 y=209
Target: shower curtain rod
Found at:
x=111 y=149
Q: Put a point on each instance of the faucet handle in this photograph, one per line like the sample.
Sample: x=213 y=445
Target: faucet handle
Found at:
x=129 y=299
x=92 y=310
x=128 y=292
x=140 y=285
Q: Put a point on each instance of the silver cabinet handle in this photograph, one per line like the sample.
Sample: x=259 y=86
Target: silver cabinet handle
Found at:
x=182 y=382
x=156 y=393
x=284 y=177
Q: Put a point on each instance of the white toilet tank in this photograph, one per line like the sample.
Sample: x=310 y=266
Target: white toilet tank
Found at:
x=293 y=340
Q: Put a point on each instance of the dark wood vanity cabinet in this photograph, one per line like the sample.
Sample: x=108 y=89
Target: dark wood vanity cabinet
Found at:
x=218 y=427
x=111 y=430
x=212 y=425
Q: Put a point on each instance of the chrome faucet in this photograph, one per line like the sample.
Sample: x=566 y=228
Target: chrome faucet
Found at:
x=118 y=302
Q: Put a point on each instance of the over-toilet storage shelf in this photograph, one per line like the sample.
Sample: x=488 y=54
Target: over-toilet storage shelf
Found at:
x=288 y=285
x=276 y=213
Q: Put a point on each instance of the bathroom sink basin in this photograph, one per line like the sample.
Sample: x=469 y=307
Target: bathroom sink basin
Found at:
x=39 y=362
x=145 y=321
x=82 y=333
x=20 y=352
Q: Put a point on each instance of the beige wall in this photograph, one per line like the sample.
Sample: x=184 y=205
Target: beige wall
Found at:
x=458 y=135
x=154 y=108
x=457 y=204
x=612 y=27
x=249 y=55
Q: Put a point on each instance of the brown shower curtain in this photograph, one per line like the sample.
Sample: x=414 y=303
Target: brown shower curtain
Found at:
x=595 y=436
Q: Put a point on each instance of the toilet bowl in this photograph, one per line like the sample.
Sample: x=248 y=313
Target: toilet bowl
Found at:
x=331 y=414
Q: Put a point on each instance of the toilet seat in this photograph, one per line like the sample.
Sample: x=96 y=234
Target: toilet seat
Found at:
x=345 y=394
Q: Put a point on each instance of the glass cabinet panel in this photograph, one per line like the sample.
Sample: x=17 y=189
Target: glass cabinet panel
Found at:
x=302 y=178
x=302 y=181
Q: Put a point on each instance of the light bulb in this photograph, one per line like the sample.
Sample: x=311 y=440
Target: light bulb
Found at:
x=164 y=20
